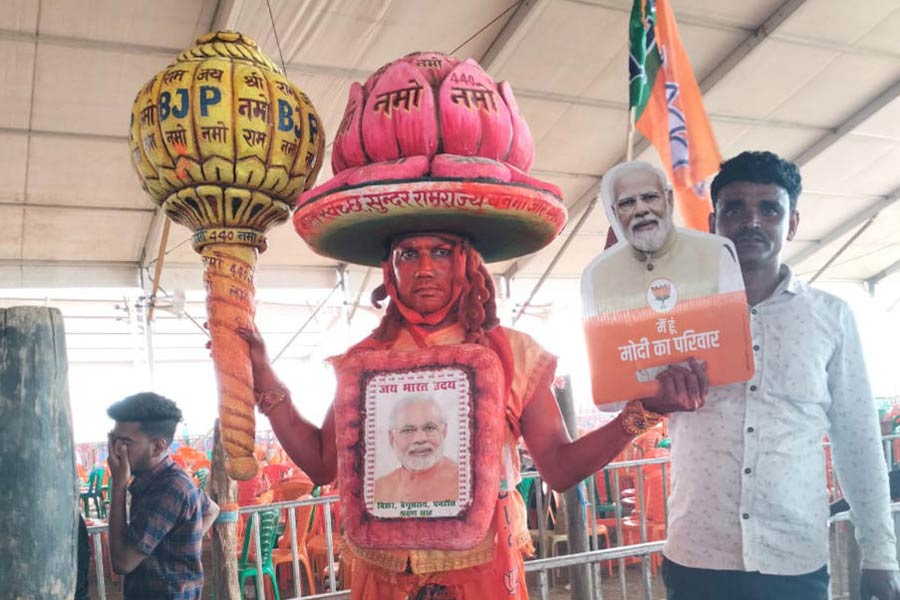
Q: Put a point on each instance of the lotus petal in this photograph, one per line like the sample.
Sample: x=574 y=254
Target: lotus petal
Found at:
x=399 y=118
x=469 y=100
x=434 y=65
x=348 y=149
x=521 y=151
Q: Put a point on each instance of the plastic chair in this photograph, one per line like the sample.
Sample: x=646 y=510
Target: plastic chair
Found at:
x=317 y=544
x=268 y=532
x=275 y=473
x=653 y=505
x=281 y=555
x=82 y=474
x=181 y=461
x=248 y=490
x=649 y=440
x=606 y=503
x=94 y=493
x=291 y=489
x=201 y=476
x=202 y=463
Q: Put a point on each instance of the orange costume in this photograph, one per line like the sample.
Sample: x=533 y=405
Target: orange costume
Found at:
x=431 y=145
x=483 y=571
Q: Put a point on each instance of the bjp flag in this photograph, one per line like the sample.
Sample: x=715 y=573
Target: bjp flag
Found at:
x=668 y=107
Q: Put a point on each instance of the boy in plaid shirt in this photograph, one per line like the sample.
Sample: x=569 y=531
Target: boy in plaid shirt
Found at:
x=159 y=549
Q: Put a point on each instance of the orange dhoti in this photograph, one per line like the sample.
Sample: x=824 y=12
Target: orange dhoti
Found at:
x=482 y=582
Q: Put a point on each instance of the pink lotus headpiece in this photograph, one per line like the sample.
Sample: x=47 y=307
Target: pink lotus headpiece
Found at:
x=430 y=143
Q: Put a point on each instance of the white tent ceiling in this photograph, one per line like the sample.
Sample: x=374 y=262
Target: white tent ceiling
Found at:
x=817 y=81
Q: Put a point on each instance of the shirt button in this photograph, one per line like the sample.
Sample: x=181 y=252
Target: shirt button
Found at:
x=752 y=388
x=750 y=430
x=649 y=266
x=745 y=516
x=753 y=311
x=756 y=348
x=747 y=470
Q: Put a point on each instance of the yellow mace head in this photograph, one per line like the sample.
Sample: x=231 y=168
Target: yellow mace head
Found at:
x=224 y=142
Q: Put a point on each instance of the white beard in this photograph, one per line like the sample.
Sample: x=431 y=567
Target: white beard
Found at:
x=650 y=240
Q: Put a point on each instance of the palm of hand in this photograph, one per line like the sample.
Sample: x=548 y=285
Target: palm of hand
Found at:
x=119 y=465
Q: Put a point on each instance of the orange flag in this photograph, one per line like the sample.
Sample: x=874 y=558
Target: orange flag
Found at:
x=668 y=107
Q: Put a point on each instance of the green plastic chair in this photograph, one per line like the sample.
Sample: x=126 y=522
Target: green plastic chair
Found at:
x=94 y=493
x=202 y=476
x=268 y=534
x=603 y=508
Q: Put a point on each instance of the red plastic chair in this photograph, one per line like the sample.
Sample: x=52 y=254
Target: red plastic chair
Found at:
x=317 y=544
x=275 y=473
x=652 y=504
x=281 y=555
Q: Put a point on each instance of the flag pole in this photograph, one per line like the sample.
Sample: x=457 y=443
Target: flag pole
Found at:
x=629 y=151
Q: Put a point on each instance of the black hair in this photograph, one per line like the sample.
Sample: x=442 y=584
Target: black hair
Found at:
x=157 y=415
x=759 y=167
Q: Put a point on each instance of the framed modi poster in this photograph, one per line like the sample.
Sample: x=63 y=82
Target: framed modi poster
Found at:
x=418 y=427
x=419 y=437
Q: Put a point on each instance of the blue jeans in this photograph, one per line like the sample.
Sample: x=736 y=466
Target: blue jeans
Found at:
x=686 y=583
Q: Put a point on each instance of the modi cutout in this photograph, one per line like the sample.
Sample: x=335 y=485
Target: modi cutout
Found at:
x=417 y=436
x=660 y=294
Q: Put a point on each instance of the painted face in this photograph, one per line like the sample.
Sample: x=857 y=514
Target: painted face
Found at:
x=644 y=209
x=423 y=267
x=417 y=435
x=139 y=446
x=757 y=217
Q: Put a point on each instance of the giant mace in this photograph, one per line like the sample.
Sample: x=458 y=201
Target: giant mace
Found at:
x=224 y=143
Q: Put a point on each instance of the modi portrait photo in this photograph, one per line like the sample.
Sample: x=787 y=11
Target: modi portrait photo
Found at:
x=418 y=457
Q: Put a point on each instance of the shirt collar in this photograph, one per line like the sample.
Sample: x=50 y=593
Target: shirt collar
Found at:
x=789 y=284
x=141 y=481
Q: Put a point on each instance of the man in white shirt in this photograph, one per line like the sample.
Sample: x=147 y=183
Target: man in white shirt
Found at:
x=749 y=507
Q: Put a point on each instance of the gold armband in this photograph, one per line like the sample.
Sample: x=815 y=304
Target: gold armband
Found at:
x=267 y=401
x=636 y=419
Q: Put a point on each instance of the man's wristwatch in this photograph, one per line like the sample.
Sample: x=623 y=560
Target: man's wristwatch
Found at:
x=636 y=419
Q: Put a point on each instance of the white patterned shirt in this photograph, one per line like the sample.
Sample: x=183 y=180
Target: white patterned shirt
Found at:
x=748 y=468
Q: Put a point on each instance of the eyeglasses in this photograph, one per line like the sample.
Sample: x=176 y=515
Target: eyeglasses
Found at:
x=429 y=429
x=627 y=205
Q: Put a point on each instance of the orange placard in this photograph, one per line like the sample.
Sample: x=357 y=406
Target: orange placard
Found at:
x=628 y=348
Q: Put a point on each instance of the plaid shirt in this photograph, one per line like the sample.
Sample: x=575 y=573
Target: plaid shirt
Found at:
x=166 y=524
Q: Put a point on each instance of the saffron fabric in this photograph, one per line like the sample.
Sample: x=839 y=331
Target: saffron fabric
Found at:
x=375 y=571
x=668 y=107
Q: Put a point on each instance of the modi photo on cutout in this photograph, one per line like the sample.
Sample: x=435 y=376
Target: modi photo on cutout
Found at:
x=418 y=434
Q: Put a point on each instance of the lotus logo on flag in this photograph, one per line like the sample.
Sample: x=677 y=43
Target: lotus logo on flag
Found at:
x=661 y=295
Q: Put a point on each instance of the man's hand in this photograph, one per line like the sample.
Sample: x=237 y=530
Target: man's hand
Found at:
x=881 y=584
x=680 y=389
x=264 y=377
x=119 y=465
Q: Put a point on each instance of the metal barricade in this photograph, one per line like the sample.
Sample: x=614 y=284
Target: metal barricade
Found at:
x=542 y=564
